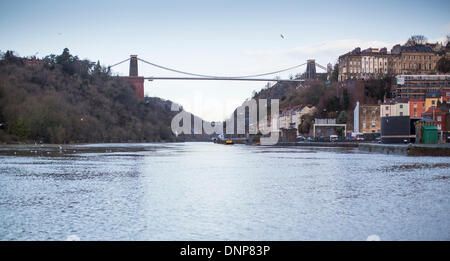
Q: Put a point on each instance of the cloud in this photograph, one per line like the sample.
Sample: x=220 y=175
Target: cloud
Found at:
x=327 y=50
x=447 y=28
x=438 y=40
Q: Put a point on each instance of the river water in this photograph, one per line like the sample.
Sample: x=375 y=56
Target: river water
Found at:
x=204 y=191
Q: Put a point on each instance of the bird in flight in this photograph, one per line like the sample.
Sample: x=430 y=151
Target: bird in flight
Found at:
x=282 y=36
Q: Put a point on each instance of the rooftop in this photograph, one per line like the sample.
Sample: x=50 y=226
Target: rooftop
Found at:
x=395 y=100
x=433 y=110
x=397 y=49
x=370 y=51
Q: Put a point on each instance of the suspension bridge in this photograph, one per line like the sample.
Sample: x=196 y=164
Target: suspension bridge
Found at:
x=138 y=81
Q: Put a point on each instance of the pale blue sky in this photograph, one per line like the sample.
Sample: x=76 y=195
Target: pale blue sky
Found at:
x=214 y=37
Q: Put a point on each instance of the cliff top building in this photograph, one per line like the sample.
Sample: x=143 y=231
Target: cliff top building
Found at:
x=366 y=64
x=374 y=63
x=417 y=59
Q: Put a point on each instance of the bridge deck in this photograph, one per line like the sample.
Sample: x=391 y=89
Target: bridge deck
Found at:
x=221 y=79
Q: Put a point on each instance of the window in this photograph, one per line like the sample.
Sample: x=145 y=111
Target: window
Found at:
x=439 y=118
x=433 y=102
x=401 y=106
x=415 y=113
x=415 y=105
x=401 y=113
x=387 y=108
x=364 y=125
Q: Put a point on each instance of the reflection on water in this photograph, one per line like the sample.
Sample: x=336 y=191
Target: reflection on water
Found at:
x=203 y=191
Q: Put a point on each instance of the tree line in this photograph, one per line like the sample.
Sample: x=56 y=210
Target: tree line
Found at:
x=63 y=99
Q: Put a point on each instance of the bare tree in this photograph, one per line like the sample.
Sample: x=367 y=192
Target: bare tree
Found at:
x=416 y=40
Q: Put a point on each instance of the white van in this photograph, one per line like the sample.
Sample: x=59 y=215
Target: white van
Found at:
x=334 y=138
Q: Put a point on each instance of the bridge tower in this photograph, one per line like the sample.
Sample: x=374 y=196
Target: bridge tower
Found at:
x=311 y=69
x=135 y=79
x=133 y=66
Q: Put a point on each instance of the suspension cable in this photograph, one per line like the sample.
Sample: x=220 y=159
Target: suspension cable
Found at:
x=321 y=67
x=211 y=76
x=119 y=63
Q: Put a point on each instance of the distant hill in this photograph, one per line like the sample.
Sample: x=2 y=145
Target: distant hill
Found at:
x=62 y=99
x=290 y=94
x=277 y=91
x=332 y=100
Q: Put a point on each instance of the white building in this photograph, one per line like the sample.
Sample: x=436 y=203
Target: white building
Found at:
x=394 y=107
x=292 y=117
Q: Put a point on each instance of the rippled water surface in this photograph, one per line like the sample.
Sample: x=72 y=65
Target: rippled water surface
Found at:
x=203 y=191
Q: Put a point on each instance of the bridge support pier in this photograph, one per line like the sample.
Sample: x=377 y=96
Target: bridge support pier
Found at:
x=134 y=79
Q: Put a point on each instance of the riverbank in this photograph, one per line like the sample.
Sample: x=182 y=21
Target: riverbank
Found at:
x=320 y=144
x=49 y=150
x=407 y=149
x=396 y=149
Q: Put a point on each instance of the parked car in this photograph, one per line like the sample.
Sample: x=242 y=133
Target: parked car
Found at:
x=323 y=138
x=350 y=138
x=378 y=139
x=359 y=137
x=334 y=138
x=300 y=138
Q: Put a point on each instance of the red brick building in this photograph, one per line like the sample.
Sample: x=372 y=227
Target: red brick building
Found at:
x=446 y=94
x=416 y=108
x=437 y=115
